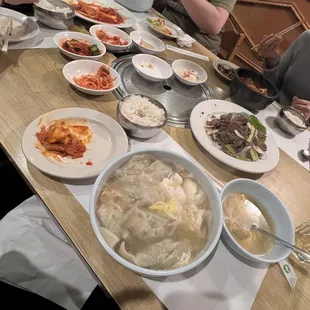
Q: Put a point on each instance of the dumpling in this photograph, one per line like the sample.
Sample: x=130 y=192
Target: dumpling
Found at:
x=115 y=194
x=157 y=171
x=137 y=164
x=165 y=254
x=110 y=216
x=111 y=239
x=145 y=225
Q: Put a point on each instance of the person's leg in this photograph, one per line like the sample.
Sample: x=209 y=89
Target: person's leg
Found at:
x=13 y=297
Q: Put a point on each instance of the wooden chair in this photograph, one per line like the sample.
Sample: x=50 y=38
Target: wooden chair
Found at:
x=231 y=41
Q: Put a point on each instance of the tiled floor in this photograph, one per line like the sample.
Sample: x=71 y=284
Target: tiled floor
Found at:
x=15 y=191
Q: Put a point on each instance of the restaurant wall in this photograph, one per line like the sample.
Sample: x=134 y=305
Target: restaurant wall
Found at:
x=256 y=18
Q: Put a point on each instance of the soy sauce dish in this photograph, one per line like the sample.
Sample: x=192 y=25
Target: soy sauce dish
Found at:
x=246 y=202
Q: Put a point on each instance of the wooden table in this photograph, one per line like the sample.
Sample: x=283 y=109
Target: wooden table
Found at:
x=31 y=83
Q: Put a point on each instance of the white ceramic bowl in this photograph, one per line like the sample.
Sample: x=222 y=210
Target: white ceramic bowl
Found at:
x=198 y=173
x=189 y=65
x=283 y=225
x=112 y=31
x=159 y=71
x=137 y=36
x=83 y=67
x=59 y=37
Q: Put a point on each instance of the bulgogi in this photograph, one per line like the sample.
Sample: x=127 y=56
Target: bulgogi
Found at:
x=239 y=135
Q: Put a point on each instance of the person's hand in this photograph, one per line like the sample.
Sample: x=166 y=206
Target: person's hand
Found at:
x=269 y=49
x=18 y=2
x=302 y=106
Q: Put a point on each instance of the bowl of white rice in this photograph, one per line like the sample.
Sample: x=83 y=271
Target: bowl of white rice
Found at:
x=141 y=116
x=54 y=13
x=291 y=121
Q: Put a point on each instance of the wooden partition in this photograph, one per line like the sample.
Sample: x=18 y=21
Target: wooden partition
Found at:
x=256 y=18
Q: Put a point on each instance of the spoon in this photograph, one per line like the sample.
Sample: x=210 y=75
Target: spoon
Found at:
x=292 y=247
x=305 y=153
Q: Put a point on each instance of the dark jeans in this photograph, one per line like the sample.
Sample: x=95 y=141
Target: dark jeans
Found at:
x=13 y=298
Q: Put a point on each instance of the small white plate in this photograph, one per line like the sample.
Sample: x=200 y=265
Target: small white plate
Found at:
x=59 y=39
x=24 y=28
x=182 y=65
x=218 y=62
x=83 y=67
x=158 y=44
x=130 y=18
x=152 y=68
x=198 y=119
x=176 y=31
x=108 y=142
x=114 y=32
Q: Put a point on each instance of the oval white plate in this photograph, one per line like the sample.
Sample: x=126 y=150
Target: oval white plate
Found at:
x=137 y=36
x=83 y=67
x=198 y=120
x=160 y=70
x=109 y=141
x=176 y=31
x=223 y=62
x=189 y=65
x=129 y=22
x=31 y=29
x=112 y=31
x=78 y=36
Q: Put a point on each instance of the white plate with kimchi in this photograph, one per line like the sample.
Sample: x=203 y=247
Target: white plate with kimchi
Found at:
x=73 y=143
x=234 y=136
x=103 y=12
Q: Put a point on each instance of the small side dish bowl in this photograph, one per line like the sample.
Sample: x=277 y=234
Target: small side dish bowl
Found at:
x=287 y=124
x=53 y=19
x=142 y=36
x=136 y=130
x=181 y=66
x=246 y=97
x=198 y=173
x=114 y=32
x=224 y=63
x=83 y=67
x=152 y=68
x=61 y=37
x=282 y=222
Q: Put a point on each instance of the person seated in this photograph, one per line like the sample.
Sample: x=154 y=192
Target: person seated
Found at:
x=289 y=72
x=203 y=20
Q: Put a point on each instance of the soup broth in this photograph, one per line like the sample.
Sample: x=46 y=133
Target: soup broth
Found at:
x=240 y=213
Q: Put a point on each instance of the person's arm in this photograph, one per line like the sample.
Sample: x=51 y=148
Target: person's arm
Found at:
x=275 y=66
x=208 y=17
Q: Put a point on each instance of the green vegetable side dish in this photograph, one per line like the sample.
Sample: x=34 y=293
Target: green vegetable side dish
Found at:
x=94 y=50
x=239 y=135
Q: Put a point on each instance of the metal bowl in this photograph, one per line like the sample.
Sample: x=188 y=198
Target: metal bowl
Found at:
x=139 y=131
x=55 y=20
x=289 y=126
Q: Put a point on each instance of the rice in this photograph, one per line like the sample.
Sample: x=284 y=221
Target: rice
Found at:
x=44 y=4
x=294 y=118
x=142 y=111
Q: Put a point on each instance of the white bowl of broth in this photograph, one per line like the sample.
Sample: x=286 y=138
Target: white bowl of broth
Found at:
x=138 y=258
x=246 y=202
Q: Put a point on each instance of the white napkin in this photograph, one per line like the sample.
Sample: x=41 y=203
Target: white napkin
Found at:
x=35 y=255
x=185 y=41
